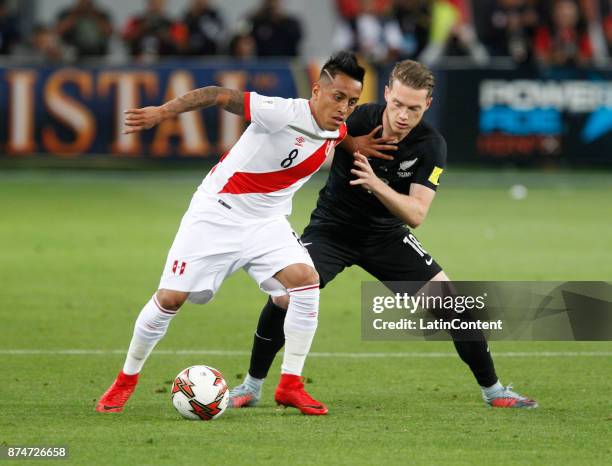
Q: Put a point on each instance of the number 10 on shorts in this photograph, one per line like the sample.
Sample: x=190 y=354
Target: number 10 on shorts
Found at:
x=412 y=241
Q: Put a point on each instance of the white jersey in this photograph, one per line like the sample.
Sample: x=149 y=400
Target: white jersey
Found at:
x=279 y=151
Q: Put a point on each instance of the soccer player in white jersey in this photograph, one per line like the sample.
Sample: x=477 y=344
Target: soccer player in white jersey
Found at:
x=238 y=218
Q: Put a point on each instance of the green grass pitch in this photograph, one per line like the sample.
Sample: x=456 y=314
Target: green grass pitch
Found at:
x=81 y=252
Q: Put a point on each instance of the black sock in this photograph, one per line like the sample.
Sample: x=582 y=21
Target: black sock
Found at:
x=268 y=340
x=471 y=344
x=476 y=355
x=472 y=347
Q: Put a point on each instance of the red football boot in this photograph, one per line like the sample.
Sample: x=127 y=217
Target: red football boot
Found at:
x=117 y=394
x=505 y=397
x=290 y=392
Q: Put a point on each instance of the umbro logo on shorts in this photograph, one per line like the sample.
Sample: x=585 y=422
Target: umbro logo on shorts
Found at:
x=178 y=268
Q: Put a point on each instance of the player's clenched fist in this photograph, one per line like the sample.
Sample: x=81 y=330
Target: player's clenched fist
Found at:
x=140 y=119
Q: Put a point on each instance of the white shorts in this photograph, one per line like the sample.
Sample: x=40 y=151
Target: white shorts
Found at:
x=210 y=245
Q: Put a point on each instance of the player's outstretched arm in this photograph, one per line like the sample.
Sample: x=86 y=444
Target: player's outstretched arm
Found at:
x=140 y=119
x=411 y=209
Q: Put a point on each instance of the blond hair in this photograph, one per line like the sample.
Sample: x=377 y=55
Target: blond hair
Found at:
x=413 y=74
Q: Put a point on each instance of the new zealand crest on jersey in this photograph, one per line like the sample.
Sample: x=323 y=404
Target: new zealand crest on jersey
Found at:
x=405 y=165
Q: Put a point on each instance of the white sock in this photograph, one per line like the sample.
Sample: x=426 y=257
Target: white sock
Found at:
x=253 y=383
x=488 y=391
x=300 y=327
x=151 y=325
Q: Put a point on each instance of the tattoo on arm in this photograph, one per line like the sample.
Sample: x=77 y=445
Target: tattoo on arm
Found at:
x=234 y=101
x=229 y=99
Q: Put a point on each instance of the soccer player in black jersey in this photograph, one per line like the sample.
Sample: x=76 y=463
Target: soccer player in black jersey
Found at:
x=361 y=215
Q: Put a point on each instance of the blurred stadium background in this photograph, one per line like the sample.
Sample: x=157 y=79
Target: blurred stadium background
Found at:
x=524 y=98
x=519 y=82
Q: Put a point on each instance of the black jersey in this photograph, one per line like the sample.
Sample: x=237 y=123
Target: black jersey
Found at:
x=420 y=158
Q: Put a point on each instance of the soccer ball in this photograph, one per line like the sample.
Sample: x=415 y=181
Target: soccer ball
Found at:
x=200 y=393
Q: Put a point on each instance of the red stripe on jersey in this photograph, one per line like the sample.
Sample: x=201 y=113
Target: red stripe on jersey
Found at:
x=343 y=130
x=268 y=182
x=220 y=160
x=247 y=106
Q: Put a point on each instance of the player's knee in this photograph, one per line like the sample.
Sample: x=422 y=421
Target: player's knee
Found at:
x=305 y=275
x=171 y=300
x=297 y=275
x=440 y=277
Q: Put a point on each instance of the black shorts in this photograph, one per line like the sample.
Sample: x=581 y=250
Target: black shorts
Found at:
x=389 y=256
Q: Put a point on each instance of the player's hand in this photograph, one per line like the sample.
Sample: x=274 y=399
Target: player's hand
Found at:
x=366 y=178
x=371 y=146
x=141 y=119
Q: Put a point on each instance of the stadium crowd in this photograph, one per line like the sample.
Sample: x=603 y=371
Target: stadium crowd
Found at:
x=546 y=32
